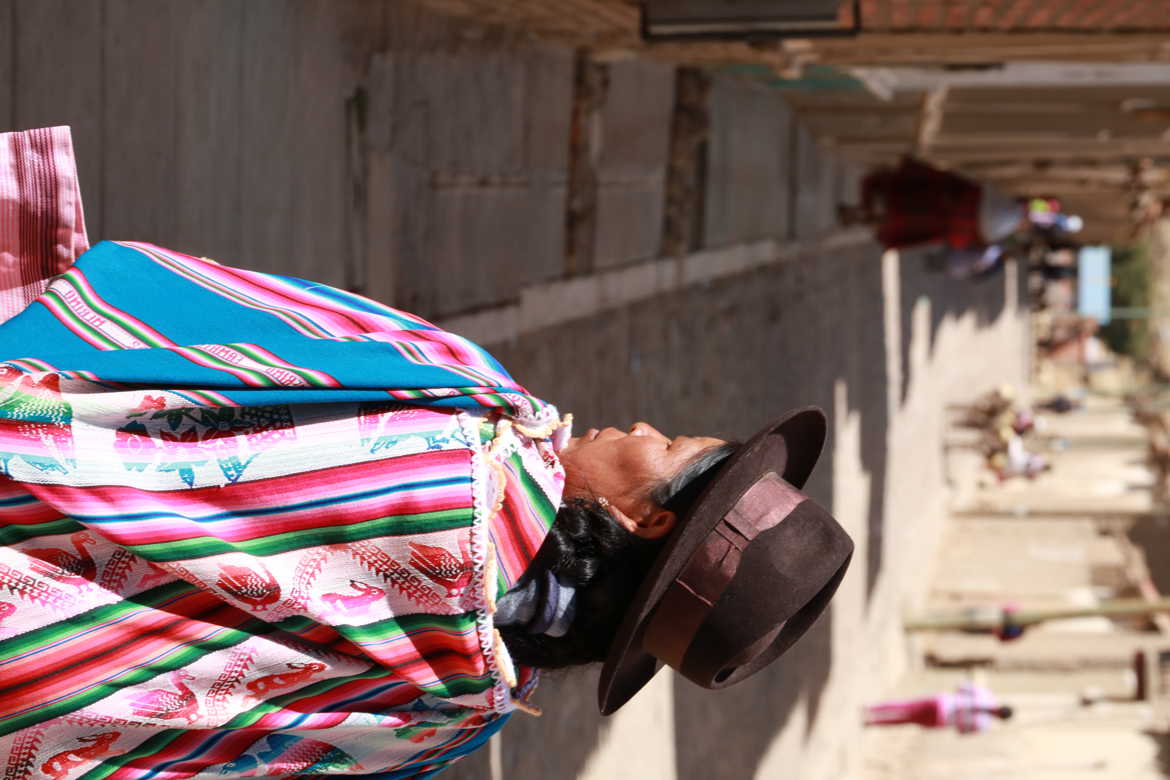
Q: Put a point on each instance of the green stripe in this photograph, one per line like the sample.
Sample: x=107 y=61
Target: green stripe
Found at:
x=111 y=764
x=222 y=365
x=120 y=318
x=178 y=658
x=410 y=351
x=478 y=376
x=11 y=534
x=407 y=624
x=160 y=741
x=21 y=499
x=23 y=407
x=80 y=324
x=501 y=583
x=536 y=497
x=385 y=631
x=182 y=656
x=302 y=373
x=175 y=660
x=62 y=629
x=220 y=289
x=202 y=396
x=395 y=525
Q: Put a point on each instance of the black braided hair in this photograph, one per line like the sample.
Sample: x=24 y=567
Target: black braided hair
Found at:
x=589 y=550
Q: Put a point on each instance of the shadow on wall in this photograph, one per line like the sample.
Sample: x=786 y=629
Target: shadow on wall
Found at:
x=1151 y=537
x=985 y=298
x=559 y=742
x=830 y=329
x=1162 y=758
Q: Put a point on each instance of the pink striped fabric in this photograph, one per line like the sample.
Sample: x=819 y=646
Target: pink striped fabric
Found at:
x=42 y=226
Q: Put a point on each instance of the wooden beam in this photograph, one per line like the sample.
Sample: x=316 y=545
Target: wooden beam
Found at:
x=1116 y=175
x=850 y=112
x=1018 y=39
x=1055 y=142
x=1059 y=185
x=933 y=107
x=979 y=47
x=1054 y=154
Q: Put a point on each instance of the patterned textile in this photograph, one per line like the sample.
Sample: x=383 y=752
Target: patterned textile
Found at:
x=253 y=526
x=42 y=228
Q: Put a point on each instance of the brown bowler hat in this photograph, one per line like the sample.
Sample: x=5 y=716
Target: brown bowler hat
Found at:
x=744 y=575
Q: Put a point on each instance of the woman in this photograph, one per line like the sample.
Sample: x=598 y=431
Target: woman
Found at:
x=971 y=709
x=916 y=204
x=254 y=526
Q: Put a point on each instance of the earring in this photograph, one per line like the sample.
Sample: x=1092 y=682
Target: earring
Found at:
x=603 y=501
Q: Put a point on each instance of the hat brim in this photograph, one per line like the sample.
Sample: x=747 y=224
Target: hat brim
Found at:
x=790 y=446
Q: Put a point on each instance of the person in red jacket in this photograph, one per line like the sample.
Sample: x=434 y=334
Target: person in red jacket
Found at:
x=916 y=204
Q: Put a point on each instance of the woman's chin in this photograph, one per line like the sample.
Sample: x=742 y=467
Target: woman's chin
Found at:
x=576 y=441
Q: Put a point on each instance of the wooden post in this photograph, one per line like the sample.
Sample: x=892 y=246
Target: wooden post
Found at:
x=585 y=139
x=933 y=113
x=682 y=224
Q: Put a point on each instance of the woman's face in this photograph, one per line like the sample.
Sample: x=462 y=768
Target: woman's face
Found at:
x=623 y=467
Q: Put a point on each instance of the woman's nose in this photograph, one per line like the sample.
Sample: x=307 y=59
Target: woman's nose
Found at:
x=645 y=429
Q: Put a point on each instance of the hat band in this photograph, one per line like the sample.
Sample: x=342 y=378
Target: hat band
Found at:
x=694 y=592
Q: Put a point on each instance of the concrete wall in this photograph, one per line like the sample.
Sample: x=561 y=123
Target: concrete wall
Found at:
x=748 y=176
x=468 y=161
x=215 y=127
x=631 y=169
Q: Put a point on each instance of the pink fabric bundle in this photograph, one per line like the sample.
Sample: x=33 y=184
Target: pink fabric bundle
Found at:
x=42 y=226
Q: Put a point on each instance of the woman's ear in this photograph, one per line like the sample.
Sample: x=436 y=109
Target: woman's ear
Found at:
x=624 y=520
x=655 y=525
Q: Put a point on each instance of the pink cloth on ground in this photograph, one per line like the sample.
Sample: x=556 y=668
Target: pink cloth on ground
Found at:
x=966 y=710
x=931 y=712
x=42 y=226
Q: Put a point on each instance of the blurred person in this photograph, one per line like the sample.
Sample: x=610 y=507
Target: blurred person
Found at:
x=971 y=709
x=1044 y=212
x=1058 y=264
x=1060 y=404
x=989 y=410
x=1047 y=214
x=1157 y=425
x=916 y=204
x=1008 y=457
x=258 y=526
x=1002 y=428
x=1068 y=337
x=1025 y=421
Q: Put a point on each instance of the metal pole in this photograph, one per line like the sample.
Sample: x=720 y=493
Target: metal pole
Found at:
x=1129 y=313
x=990 y=619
